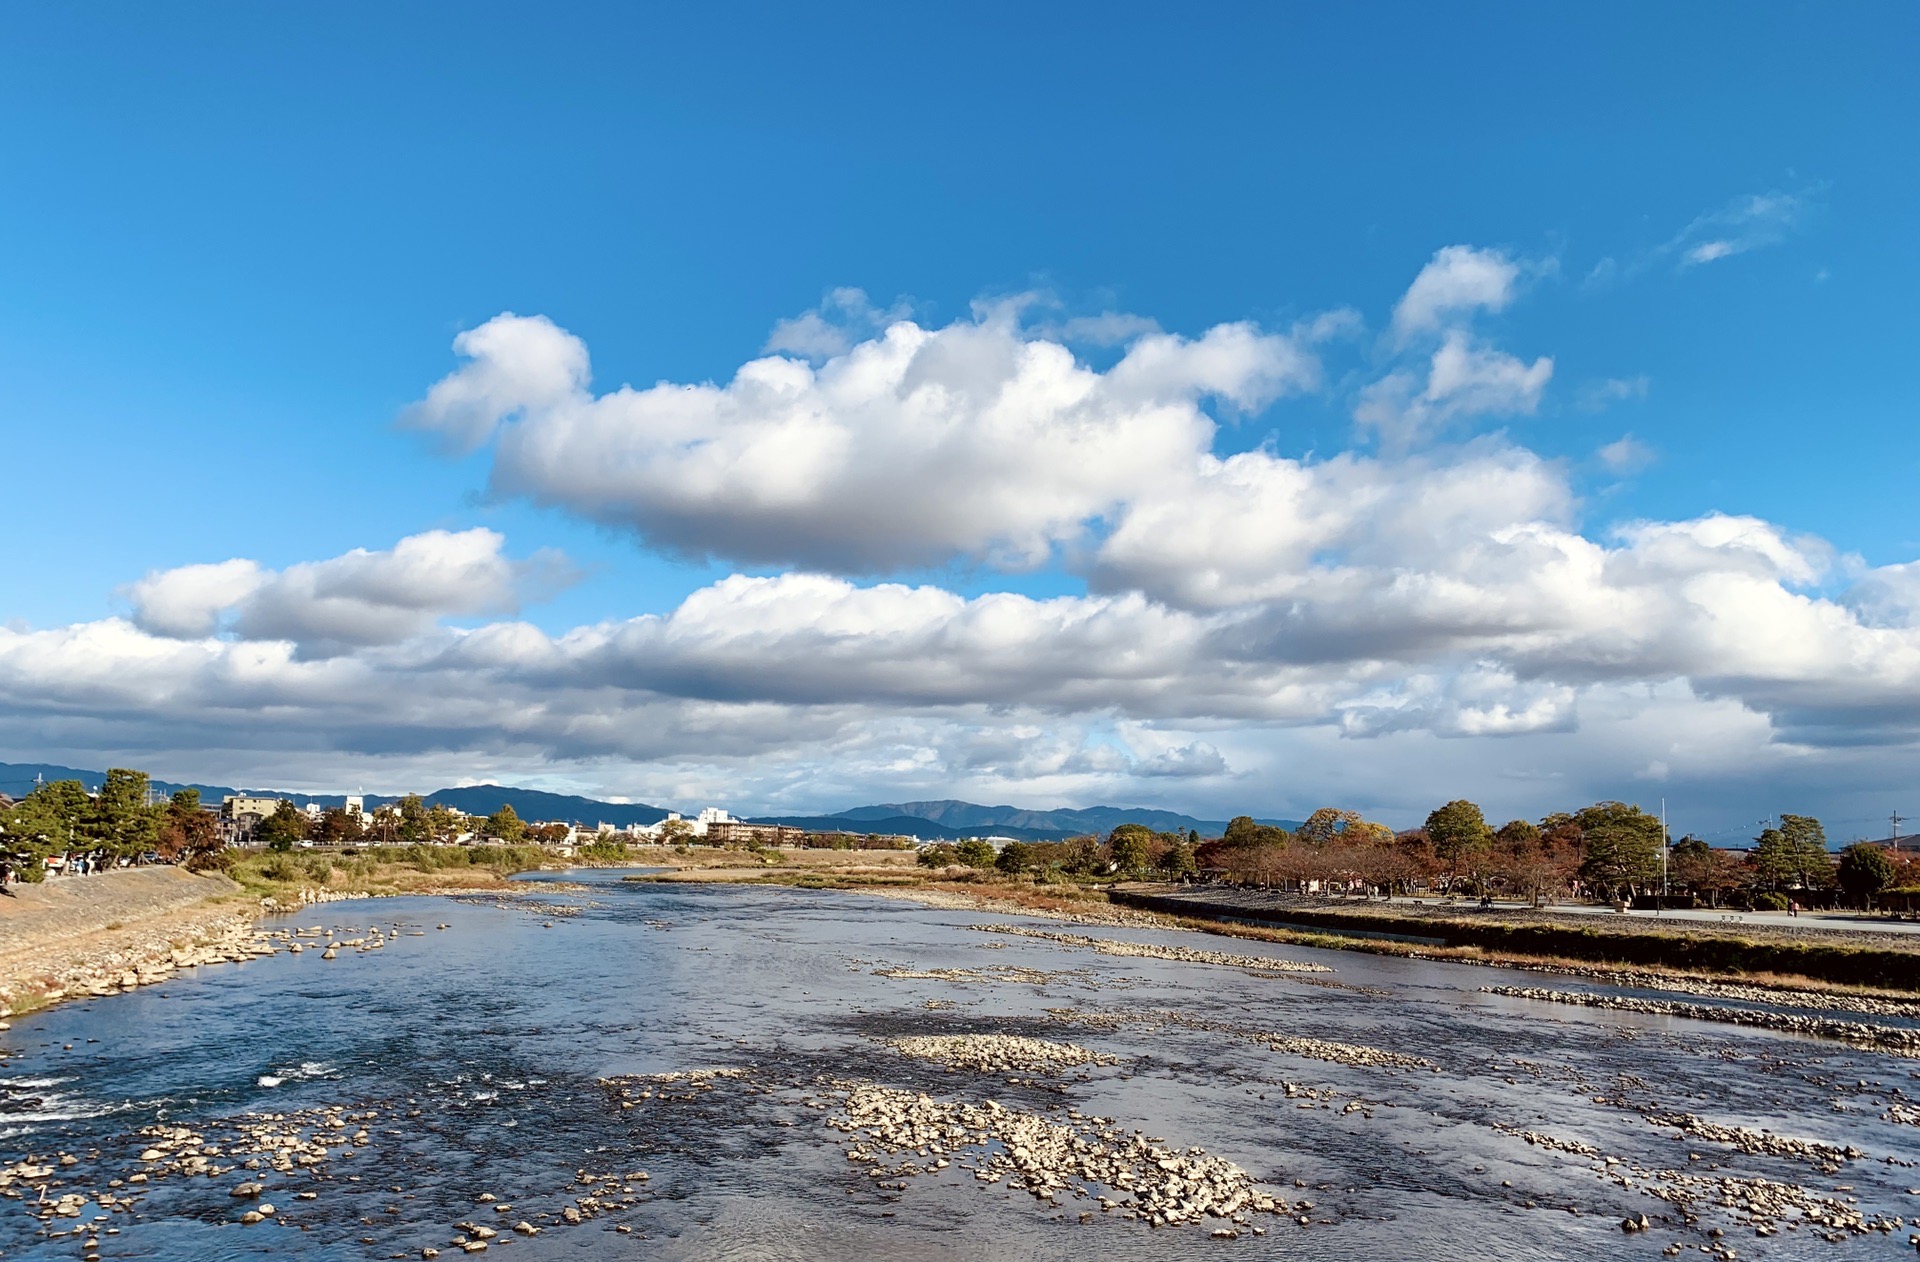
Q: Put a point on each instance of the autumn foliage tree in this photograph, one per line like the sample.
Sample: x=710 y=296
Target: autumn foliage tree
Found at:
x=188 y=834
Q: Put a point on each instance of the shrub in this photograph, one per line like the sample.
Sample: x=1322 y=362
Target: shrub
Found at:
x=975 y=853
x=1766 y=900
x=221 y=860
x=938 y=855
x=1015 y=857
x=604 y=850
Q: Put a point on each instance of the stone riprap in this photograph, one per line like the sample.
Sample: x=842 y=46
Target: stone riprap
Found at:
x=1899 y=1040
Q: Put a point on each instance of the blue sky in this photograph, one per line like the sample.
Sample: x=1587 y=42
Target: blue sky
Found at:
x=238 y=241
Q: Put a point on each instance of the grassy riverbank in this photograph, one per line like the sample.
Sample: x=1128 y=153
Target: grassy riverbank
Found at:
x=382 y=871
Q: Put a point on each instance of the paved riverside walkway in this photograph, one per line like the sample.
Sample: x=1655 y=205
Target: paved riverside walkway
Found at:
x=1853 y=921
x=1850 y=927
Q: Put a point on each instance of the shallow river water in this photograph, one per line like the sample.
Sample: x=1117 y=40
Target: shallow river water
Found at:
x=471 y=1061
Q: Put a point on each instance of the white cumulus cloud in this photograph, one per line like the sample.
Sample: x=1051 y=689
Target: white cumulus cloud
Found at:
x=360 y=598
x=976 y=440
x=1457 y=281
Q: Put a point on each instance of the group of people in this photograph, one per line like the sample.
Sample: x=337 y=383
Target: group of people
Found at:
x=59 y=865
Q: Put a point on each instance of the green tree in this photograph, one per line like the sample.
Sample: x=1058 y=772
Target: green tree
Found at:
x=1773 y=858
x=1623 y=845
x=444 y=823
x=975 y=853
x=1807 y=840
x=1081 y=856
x=1865 y=870
x=1243 y=832
x=45 y=822
x=1690 y=863
x=1793 y=855
x=122 y=822
x=939 y=855
x=1015 y=857
x=1176 y=860
x=339 y=827
x=505 y=824
x=1517 y=834
x=1457 y=830
x=413 y=820
x=1130 y=845
x=283 y=829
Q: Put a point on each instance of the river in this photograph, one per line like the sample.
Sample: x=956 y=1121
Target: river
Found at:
x=469 y=1061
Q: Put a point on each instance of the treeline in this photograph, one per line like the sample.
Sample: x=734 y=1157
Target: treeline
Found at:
x=121 y=823
x=1129 y=851
x=1609 y=850
x=118 y=824
x=408 y=822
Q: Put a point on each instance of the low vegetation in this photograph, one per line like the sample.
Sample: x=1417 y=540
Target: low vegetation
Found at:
x=382 y=869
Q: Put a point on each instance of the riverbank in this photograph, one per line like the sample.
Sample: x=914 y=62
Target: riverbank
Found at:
x=85 y=937
x=1802 y=960
x=81 y=936
x=1835 y=957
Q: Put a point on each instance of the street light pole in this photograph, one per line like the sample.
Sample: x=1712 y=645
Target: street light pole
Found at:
x=1666 y=844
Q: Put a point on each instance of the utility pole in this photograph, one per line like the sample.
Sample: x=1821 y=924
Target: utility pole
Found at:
x=1893 y=836
x=1666 y=844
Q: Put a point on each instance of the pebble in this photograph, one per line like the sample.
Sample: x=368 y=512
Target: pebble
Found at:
x=1159 y=951
x=999 y=1053
x=1160 y=1185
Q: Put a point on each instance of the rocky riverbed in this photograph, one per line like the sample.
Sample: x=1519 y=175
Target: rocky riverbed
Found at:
x=662 y=1071
x=1184 y=954
x=1901 y=1040
x=999 y=1053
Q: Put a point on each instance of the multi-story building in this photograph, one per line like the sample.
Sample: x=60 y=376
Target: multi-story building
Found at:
x=241 y=813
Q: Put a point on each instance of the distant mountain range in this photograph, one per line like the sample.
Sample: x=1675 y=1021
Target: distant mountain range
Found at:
x=16 y=779
x=943 y=820
x=947 y=819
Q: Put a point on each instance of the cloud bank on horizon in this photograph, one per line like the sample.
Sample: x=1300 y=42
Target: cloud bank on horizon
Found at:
x=1422 y=614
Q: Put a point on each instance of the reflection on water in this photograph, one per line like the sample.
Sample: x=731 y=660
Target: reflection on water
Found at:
x=469 y=1063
